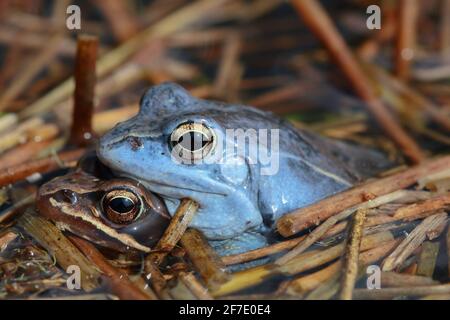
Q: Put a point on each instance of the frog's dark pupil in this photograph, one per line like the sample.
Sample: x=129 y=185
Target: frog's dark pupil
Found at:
x=193 y=140
x=121 y=205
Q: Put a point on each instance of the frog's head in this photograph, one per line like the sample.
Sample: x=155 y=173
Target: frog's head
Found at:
x=116 y=213
x=174 y=147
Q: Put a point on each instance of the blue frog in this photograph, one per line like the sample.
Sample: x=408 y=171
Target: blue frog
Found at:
x=243 y=166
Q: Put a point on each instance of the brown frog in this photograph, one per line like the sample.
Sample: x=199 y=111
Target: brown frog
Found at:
x=118 y=213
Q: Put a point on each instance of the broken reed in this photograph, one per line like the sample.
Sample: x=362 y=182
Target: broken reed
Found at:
x=85 y=78
x=178 y=225
x=204 y=259
x=351 y=254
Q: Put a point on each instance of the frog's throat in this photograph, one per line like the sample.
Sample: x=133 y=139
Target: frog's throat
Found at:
x=124 y=238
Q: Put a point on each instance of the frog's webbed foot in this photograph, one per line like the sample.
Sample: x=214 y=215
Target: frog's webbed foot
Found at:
x=247 y=241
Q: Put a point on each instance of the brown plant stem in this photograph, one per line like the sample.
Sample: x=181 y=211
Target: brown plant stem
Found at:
x=389 y=293
x=395 y=280
x=120 y=284
x=351 y=256
x=300 y=244
x=120 y=18
x=6 y=238
x=430 y=205
x=445 y=28
x=427 y=259
x=226 y=82
x=81 y=132
x=19 y=133
x=303 y=218
x=427 y=228
x=24 y=78
x=65 y=253
x=303 y=262
x=406 y=37
x=412 y=96
x=31 y=149
x=324 y=229
x=204 y=259
x=22 y=171
x=313 y=280
x=178 y=225
x=185 y=16
x=191 y=282
x=157 y=280
x=448 y=249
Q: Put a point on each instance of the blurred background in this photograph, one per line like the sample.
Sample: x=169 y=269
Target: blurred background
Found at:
x=254 y=52
x=324 y=65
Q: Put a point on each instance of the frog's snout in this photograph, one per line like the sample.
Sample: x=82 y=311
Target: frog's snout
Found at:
x=135 y=143
x=107 y=150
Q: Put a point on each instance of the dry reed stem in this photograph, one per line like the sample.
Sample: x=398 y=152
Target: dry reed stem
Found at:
x=406 y=37
x=178 y=225
x=191 y=282
x=65 y=253
x=118 y=280
x=315 y=17
x=396 y=280
x=426 y=228
x=303 y=218
x=410 y=95
x=445 y=28
x=22 y=171
x=416 y=209
x=389 y=293
x=42 y=139
x=23 y=79
x=120 y=18
x=427 y=259
x=19 y=134
x=303 y=262
x=351 y=255
x=156 y=279
x=170 y=24
x=6 y=238
x=325 y=227
x=204 y=259
x=105 y=120
x=81 y=131
x=448 y=249
x=226 y=76
x=313 y=280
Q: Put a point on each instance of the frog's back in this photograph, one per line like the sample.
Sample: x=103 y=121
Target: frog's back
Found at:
x=310 y=167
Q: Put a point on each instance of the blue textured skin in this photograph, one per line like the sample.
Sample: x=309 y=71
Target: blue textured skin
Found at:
x=233 y=198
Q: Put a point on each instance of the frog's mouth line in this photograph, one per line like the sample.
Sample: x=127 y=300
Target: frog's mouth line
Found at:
x=151 y=185
x=158 y=184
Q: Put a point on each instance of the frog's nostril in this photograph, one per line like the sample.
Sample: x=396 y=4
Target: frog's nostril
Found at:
x=135 y=143
x=69 y=196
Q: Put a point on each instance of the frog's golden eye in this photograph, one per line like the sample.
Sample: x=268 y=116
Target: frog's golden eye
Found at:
x=121 y=206
x=192 y=140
